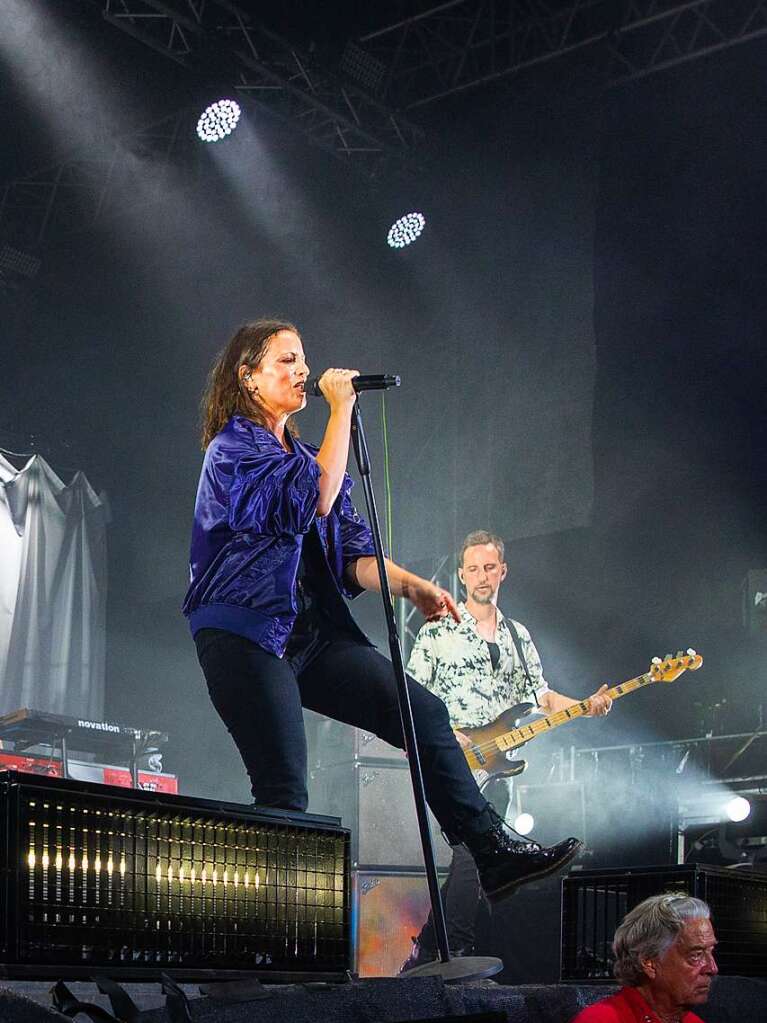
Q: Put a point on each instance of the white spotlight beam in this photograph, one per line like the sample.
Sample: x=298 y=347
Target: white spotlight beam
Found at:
x=218 y=37
x=74 y=194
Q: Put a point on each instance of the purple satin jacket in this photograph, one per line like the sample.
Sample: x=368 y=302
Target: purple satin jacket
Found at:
x=255 y=501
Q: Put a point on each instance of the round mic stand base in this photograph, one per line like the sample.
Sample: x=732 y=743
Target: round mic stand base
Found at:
x=458 y=968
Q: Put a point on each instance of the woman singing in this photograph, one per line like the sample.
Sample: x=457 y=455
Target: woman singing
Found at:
x=276 y=546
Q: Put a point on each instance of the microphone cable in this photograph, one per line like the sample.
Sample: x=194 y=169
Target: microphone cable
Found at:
x=387 y=478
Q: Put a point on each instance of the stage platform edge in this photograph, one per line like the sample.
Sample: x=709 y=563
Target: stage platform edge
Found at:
x=386 y=999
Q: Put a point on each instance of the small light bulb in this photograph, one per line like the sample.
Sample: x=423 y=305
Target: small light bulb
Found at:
x=524 y=823
x=737 y=809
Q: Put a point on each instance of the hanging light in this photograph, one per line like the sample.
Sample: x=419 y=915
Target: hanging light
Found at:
x=218 y=120
x=405 y=230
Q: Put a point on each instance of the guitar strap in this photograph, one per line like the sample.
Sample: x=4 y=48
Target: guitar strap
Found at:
x=518 y=647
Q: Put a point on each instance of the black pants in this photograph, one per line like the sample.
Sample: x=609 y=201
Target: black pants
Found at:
x=462 y=899
x=259 y=698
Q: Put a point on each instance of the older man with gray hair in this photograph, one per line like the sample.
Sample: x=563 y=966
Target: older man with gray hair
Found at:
x=664 y=957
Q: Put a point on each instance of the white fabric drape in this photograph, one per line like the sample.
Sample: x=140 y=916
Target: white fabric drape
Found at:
x=52 y=591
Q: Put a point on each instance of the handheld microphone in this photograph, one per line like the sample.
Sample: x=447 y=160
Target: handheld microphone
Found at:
x=371 y=382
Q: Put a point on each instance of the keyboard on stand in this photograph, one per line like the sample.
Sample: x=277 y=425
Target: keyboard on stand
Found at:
x=27 y=728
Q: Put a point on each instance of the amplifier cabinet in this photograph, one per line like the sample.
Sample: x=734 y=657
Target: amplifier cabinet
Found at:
x=389 y=909
x=333 y=742
x=754 y=591
x=375 y=800
x=595 y=901
x=558 y=808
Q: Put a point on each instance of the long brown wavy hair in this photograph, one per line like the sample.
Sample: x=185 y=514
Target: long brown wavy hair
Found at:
x=225 y=394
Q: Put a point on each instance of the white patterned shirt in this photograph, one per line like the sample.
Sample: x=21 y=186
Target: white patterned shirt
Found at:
x=452 y=660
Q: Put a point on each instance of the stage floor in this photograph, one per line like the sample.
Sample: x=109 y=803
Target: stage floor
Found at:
x=733 y=1000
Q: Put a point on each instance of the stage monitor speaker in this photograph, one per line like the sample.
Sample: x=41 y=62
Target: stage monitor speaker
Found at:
x=389 y=909
x=376 y=802
x=595 y=901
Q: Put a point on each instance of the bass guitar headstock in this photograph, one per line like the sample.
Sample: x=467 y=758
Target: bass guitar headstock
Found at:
x=670 y=668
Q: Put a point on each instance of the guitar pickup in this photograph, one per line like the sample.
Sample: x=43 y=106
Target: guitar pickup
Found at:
x=481 y=758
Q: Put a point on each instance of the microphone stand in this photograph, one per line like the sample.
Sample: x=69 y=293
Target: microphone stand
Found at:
x=462 y=967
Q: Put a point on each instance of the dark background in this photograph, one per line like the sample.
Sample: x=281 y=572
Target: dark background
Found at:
x=580 y=333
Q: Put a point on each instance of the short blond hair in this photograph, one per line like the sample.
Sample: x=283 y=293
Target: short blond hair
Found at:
x=480 y=537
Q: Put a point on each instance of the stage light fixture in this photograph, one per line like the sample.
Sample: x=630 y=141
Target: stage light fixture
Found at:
x=25 y=264
x=524 y=823
x=737 y=809
x=218 y=120
x=405 y=230
x=136 y=883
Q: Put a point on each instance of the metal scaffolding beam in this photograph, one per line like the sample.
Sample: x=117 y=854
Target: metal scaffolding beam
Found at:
x=461 y=44
x=219 y=40
x=215 y=39
x=78 y=191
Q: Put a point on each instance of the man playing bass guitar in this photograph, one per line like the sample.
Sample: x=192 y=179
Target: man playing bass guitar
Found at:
x=479 y=667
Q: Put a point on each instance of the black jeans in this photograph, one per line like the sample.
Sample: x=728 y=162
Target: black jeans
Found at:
x=462 y=899
x=259 y=698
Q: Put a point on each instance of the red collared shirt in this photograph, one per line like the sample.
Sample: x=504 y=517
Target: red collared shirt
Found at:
x=627 y=1006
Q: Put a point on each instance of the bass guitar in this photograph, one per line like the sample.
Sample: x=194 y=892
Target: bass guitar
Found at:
x=492 y=743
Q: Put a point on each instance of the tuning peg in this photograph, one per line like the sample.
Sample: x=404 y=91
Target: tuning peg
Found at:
x=691 y=652
x=656 y=660
x=667 y=657
x=680 y=654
